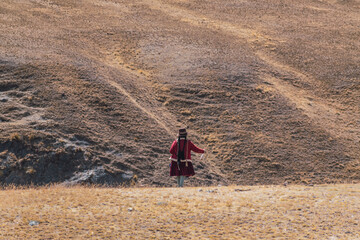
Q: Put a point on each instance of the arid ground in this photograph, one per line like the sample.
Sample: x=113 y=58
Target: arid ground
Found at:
x=227 y=212
x=94 y=90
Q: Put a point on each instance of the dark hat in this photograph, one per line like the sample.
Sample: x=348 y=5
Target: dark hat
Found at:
x=182 y=132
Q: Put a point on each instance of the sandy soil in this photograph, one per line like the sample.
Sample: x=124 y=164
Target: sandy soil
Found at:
x=271 y=90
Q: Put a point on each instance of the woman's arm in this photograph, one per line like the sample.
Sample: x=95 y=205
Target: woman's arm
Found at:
x=195 y=148
x=173 y=149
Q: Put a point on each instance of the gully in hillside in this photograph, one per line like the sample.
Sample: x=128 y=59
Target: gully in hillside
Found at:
x=181 y=165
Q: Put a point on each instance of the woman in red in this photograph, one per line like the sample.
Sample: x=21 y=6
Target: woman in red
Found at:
x=181 y=164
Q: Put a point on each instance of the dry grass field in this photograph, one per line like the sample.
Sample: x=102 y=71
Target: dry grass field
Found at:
x=226 y=212
x=270 y=89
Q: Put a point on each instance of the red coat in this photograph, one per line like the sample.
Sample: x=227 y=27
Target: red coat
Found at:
x=186 y=168
x=190 y=147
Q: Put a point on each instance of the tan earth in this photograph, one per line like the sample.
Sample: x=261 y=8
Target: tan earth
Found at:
x=94 y=91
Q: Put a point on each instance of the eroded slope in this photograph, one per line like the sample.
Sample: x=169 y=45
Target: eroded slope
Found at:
x=270 y=89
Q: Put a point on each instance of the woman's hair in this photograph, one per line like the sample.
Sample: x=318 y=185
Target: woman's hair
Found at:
x=181 y=152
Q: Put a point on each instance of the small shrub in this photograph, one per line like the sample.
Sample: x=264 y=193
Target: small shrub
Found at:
x=31 y=136
x=15 y=137
x=133 y=180
x=186 y=112
x=30 y=170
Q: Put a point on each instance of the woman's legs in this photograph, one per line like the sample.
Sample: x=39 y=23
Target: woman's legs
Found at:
x=182 y=178
x=180 y=181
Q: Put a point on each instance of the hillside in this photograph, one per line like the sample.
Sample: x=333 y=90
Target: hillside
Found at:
x=94 y=90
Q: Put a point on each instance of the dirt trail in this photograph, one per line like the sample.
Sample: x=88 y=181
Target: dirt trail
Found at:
x=147 y=111
x=328 y=116
x=157 y=113
x=197 y=19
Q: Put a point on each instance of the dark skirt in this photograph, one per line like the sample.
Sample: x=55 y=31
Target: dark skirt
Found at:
x=184 y=171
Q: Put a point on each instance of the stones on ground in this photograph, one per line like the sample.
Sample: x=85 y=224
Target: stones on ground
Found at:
x=88 y=176
x=212 y=191
x=127 y=175
x=34 y=223
x=161 y=203
x=98 y=175
x=4 y=98
x=241 y=190
x=130 y=209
